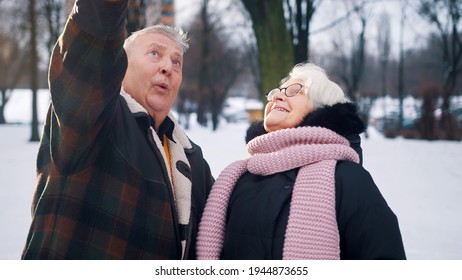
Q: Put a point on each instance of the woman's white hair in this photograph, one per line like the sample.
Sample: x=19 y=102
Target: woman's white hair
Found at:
x=319 y=88
x=177 y=35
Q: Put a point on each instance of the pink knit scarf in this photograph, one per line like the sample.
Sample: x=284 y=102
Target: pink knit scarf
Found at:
x=312 y=231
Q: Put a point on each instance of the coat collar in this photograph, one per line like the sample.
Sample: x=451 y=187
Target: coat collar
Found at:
x=342 y=118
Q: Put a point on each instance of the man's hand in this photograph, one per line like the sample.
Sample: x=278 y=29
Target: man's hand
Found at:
x=101 y=18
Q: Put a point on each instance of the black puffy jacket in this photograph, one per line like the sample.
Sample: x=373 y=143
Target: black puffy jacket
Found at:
x=258 y=209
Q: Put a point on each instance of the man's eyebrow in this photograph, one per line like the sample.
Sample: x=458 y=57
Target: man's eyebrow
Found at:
x=157 y=46
x=161 y=47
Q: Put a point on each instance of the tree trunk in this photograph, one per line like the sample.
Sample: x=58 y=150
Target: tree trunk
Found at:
x=2 y=115
x=445 y=15
x=401 y=66
x=204 y=70
x=275 y=48
x=2 y=106
x=302 y=22
x=34 y=70
x=215 y=113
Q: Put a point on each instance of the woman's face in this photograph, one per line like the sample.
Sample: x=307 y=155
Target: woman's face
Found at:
x=287 y=112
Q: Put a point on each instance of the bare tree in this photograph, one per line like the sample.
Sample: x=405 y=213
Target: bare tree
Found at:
x=383 y=46
x=299 y=18
x=13 y=60
x=402 y=23
x=52 y=16
x=445 y=15
x=13 y=56
x=196 y=59
x=225 y=67
x=250 y=78
x=33 y=69
x=275 y=48
x=211 y=66
x=351 y=60
x=429 y=94
x=348 y=66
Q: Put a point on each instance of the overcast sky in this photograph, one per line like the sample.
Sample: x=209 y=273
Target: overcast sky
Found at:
x=330 y=10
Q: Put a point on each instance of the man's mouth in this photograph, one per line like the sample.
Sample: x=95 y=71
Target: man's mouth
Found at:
x=162 y=85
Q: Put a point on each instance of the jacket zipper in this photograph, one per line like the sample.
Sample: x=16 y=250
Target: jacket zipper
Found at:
x=170 y=194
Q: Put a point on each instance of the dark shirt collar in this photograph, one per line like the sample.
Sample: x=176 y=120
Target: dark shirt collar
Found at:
x=166 y=127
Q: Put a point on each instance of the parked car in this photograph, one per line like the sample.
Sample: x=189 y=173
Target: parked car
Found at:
x=458 y=115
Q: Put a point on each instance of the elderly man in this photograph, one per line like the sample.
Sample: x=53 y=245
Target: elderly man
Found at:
x=117 y=178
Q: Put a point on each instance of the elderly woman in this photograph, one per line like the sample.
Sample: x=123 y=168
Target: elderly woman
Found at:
x=302 y=193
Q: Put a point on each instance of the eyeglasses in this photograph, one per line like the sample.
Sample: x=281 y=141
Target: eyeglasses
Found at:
x=289 y=91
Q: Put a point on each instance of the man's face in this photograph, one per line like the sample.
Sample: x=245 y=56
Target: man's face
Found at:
x=154 y=73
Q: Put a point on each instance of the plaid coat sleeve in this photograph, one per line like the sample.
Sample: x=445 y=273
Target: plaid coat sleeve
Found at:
x=86 y=71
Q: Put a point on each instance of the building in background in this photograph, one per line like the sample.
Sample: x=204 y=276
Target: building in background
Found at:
x=159 y=11
x=167 y=15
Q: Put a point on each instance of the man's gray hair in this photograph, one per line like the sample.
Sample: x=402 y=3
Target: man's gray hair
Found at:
x=173 y=33
x=319 y=88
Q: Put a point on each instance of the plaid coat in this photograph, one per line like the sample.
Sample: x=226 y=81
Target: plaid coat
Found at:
x=103 y=190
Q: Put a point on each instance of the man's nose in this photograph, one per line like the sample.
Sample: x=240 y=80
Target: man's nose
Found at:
x=166 y=67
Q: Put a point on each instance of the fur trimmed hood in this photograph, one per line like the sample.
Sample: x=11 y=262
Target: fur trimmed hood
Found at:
x=342 y=118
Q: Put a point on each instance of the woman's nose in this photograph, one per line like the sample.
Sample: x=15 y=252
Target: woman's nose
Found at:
x=279 y=96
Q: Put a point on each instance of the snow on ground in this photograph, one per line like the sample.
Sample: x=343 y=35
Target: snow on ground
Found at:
x=421 y=181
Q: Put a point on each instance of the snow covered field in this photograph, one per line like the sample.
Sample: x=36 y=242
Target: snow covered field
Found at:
x=421 y=181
